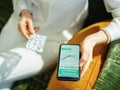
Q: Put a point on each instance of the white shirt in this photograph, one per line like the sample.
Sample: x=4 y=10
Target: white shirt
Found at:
x=54 y=16
x=113 y=6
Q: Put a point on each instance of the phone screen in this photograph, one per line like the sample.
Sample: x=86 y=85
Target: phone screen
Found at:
x=68 y=68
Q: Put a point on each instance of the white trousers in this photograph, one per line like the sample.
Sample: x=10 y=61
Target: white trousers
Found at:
x=30 y=62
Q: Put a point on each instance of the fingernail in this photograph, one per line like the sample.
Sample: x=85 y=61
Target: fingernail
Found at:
x=81 y=64
x=33 y=32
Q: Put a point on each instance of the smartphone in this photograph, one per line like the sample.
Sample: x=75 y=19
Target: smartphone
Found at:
x=68 y=63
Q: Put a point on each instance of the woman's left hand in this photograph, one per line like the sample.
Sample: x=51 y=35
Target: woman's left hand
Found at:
x=87 y=49
x=86 y=52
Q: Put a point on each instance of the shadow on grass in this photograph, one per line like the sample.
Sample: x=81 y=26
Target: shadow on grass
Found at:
x=38 y=82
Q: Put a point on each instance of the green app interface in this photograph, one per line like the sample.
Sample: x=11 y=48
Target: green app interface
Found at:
x=69 y=59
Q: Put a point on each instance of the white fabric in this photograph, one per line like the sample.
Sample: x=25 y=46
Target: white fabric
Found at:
x=31 y=62
x=54 y=22
x=56 y=18
x=113 y=6
x=114 y=29
x=49 y=16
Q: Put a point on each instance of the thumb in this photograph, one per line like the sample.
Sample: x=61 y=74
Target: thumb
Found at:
x=36 y=28
x=82 y=62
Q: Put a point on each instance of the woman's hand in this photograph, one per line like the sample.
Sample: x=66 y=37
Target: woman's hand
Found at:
x=87 y=49
x=86 y=52
x=25 y=24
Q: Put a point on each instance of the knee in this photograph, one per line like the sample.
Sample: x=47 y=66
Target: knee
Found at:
x=38 y=65
x=31 y=62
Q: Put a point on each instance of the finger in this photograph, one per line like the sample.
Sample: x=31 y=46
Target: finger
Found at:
x=25 y=33
x=86 y=65
x=22 y=29
x=84 y=69
x=30 y=26
x=82 y=62
x=83 y=59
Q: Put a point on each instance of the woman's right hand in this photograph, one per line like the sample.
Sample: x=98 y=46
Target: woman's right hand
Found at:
x=25 y=24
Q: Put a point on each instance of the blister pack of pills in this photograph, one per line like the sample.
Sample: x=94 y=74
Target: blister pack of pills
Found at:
x=36 y=42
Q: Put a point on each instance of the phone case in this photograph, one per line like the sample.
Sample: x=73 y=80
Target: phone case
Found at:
x=68 y=58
